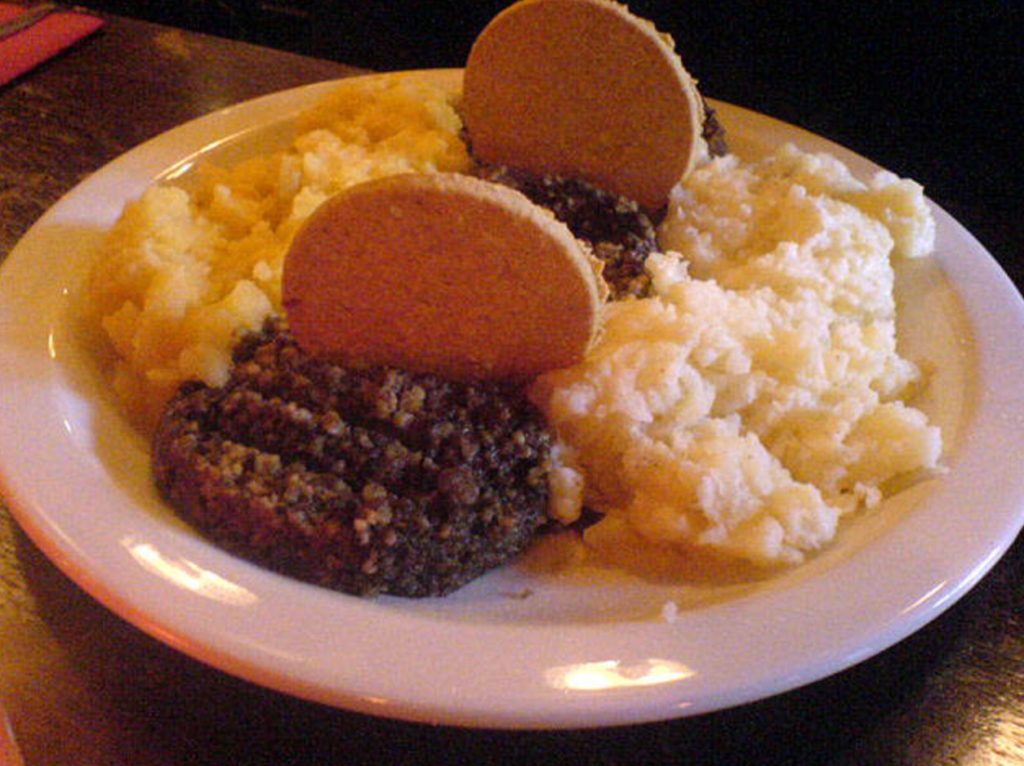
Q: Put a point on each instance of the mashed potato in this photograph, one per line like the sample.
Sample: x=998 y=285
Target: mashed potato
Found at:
x=182 y=274
x=757 y=397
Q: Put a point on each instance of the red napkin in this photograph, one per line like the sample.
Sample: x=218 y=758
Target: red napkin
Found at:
x=31 y=46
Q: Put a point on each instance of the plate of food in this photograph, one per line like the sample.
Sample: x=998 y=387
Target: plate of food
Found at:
x=359 y=393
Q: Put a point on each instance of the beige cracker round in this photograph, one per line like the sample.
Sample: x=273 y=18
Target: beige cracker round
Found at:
x=441 y=273
x=583 y=88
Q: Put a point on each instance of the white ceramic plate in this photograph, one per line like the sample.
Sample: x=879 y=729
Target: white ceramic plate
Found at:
x=578 y=650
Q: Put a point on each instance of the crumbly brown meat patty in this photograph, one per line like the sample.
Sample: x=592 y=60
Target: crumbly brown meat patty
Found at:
x=713 y=133
x=620 y=234
x=373 y=481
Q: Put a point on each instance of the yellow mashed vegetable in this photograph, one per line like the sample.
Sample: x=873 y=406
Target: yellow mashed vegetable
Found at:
x=182 y=273
x=757 y=396
x=746 y=406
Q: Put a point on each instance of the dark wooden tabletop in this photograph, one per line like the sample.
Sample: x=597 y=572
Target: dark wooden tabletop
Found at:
x=84 y=687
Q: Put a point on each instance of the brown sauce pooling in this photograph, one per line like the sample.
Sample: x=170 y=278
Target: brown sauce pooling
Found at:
x=367 y=481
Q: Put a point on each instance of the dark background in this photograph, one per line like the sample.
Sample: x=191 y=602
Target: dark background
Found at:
x=929 y=90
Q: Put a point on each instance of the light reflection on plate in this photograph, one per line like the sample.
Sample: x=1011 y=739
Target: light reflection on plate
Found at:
x=615 y=674
x=538 y=644
x=188 y=575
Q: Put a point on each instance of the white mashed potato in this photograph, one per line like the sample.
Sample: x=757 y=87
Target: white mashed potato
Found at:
x=758 y=395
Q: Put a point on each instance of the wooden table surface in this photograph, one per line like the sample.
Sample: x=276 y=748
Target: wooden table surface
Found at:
x=84 y=687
